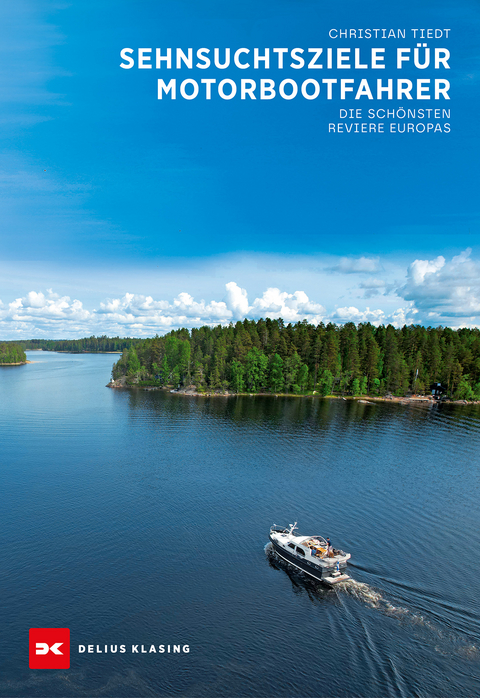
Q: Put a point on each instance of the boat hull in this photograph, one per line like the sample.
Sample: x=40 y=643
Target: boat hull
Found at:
x=320 y=574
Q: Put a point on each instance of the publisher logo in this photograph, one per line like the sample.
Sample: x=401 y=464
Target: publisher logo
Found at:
x=49 y=648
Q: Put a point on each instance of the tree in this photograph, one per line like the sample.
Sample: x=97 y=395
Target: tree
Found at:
x=326 y=383
x=292 y=366
x=238 y=372
x=276 y=373
x=295 y=356
x=302 y=378
x=395 y=368
x=371 y=361
x=330 y=358
x=184 y=361
x=349 y=349
x=256 y=368
x=133 y=363
x=464 y=390
x=165 y=370
x=175 y=377
x=12 y=354
x=172 y=351
x=456 y=377
x=198 y=377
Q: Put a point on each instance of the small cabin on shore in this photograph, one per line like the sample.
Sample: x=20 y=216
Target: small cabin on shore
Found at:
x=438 y=390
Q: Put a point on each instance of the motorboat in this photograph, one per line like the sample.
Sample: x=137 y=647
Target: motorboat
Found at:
x=310 y=554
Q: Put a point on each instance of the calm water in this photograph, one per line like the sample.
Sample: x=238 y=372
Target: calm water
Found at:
x=143 y=517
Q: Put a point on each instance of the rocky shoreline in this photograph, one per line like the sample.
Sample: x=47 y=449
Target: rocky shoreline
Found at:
x=191 y=391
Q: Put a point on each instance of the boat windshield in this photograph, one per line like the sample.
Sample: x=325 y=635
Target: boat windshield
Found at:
x=317 y=540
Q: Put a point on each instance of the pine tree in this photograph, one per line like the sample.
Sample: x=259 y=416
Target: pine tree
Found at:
x=237 y=380
x=133 y=363
x=276 y=374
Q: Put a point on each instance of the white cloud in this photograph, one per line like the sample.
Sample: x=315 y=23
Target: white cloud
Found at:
x=360 y=265
x=435 y=291
x=421 y=268
x=444 y=292
x=47 y=309
x=211 y=312
x=404 y=316
x=37 y=314
x=292 y=307
x=237 y=300
x=352 y=314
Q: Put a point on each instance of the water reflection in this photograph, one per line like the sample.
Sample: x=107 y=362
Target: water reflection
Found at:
x=161 y=506
x=302 y=410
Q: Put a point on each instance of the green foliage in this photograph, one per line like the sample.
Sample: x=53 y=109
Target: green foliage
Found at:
x=133 y=363
x=292 y=367
x=326 y=383
x=464 y=390
x=86 y=344
x=12 y=354
x=238 y=372
x=165 y=371
x=256 y=369
x=302 y=378
x=269 y=355
x=276 y=374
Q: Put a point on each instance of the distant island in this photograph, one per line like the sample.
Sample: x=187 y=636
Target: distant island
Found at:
x=95 y=345
x=12 y=355
x=268 y=356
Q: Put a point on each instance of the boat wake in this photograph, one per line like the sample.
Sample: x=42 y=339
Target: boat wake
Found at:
x=373 y=598
x=446 y=641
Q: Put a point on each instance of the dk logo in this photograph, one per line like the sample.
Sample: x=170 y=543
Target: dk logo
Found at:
x=49 y=648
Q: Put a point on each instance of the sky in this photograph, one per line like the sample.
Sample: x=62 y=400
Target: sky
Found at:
x=124 y=214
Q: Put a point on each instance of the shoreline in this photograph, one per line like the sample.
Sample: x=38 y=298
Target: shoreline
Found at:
x=18 y=363
x=120 y=384
x=64 y=351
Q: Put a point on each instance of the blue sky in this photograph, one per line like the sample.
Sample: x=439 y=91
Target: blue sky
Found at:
x=107 y=191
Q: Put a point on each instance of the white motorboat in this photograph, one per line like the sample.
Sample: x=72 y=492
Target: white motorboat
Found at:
x=310 y=554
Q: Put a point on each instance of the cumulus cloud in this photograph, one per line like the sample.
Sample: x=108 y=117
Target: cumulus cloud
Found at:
x=352 y=314
x=37 y=315
x=421 y=268
x=135 y=312
x=404 y=316
x=50 y=315
x=237 y=300
x=444 y=291
x=435 y=291
x=359 y=265
x=50 y=311
x=290 y=306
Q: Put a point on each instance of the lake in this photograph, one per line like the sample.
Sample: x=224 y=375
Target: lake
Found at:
x=142 y=517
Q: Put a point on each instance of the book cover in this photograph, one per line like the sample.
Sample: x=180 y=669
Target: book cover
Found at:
x=239 y=288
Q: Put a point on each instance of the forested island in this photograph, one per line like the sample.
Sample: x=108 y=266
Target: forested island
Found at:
x=92 y=344
x=269 y=356
x=12 y=354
